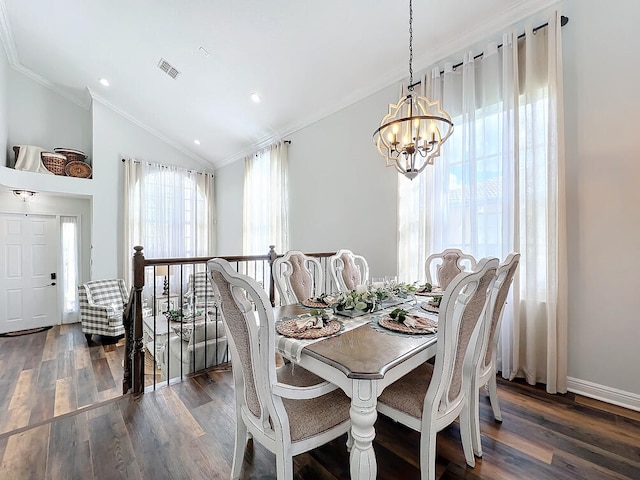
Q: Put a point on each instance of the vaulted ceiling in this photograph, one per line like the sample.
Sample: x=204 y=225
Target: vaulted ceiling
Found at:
x=305 y=58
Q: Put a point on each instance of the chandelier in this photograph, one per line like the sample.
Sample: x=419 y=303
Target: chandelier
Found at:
x=410 y=135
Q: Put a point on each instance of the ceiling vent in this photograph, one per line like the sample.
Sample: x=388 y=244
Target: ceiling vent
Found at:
x=167 y=68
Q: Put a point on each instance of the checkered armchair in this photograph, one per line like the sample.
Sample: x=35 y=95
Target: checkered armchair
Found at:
x=200 y=291
x=101 y=305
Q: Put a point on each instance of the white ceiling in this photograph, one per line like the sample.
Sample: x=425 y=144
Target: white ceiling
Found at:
x=306 y=59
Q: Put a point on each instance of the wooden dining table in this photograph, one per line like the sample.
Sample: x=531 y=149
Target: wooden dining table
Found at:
x=362 y=362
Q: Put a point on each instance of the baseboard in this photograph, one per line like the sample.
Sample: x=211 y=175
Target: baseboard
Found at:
x=606 y=394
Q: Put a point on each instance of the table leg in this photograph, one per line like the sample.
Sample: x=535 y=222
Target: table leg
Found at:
x=363 y=416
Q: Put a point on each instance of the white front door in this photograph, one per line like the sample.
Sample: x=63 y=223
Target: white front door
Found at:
x=29 y=249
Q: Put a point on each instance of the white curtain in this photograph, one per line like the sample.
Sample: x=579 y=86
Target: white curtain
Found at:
x=498 y=187
x=170 y=211
x=265 y=218
x=70 y=266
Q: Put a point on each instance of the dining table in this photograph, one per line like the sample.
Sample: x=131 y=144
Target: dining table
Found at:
x=362 y=360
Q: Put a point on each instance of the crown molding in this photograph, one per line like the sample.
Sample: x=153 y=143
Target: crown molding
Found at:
x=152 y=131
x=85 y=105
x=6 y=37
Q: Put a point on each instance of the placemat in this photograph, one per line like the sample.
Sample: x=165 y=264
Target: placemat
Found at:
x=388 y=323
x=429 y=308
x=288 y=328
x=309 y=302
x=438 y=293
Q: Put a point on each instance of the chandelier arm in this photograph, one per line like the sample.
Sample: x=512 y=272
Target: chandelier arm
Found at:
x=415 y=117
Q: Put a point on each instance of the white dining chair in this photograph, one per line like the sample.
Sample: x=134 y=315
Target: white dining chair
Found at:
x=289 y=411
x=485 y=371
x=441 y=268
x=297 y=277
x=432 y=396
x=348 y=270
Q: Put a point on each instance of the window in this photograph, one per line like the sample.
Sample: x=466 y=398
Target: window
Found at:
x=70 y=263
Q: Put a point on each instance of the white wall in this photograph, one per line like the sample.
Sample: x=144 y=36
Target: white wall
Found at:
x=602 y=111
x=115 y=138
x=229 y=204
x=341 y=194
x=4 y=109
x=38 y=116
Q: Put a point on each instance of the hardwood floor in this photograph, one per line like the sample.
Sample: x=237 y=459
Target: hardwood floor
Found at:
x=62 y=418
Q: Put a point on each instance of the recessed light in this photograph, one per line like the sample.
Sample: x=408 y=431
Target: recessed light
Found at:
x=104 y=82
x=256 y=98
x=204 y=51
x=196 y=141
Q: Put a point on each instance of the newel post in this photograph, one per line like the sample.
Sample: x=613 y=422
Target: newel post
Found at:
x=138 y=345
x=272 y=287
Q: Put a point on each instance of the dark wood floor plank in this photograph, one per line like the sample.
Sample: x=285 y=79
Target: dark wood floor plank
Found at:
x=42 y=407
x=111 y=450
x=26 y=453
x=47 y=375
x=69 y=451
x=102 y=374
x=86 y=388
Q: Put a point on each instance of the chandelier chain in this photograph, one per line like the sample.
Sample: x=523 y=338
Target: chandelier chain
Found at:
x=410 y=45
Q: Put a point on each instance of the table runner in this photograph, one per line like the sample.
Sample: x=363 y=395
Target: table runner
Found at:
x=292 y=347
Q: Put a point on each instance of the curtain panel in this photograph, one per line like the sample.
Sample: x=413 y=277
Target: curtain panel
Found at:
x=265 y=213
x=170 y=211
x=498 y=187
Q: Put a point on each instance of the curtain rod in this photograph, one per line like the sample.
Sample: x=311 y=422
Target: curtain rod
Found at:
x=288 y=142
x=168 y=166
x=563 y=21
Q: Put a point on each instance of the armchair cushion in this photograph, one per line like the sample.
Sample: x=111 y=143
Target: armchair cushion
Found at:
x=203 y=332
x=181 y=357
x=199 y=290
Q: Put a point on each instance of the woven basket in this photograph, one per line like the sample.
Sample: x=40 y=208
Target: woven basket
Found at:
x=78 y=169
x=72 y=155
x=54 y=162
